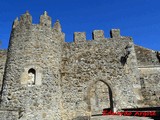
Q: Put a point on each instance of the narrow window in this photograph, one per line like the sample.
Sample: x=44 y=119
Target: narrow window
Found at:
x=31 y=76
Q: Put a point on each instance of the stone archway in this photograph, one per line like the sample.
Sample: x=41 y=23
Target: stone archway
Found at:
x=100 y=97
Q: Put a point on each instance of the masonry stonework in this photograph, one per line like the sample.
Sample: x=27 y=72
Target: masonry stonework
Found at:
x=3 y=55
x=44 y=78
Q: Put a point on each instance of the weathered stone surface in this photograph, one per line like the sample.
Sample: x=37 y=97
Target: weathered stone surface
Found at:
x=150 y=85
x=149 y=67
x=39 y=48
x=3 y=55
x=9 y=115
x=48 y=79
x=146 y=57
x=87 y=64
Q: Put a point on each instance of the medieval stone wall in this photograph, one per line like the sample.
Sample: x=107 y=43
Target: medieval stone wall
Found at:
x=149 y=67
x=9 y=115
x=3 y=55
x=48 y=79
x=150 y=82
x=146 y=57
x=86 y=64
x=32 y=79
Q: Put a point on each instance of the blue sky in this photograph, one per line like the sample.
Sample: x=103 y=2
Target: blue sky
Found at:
x=139 y=19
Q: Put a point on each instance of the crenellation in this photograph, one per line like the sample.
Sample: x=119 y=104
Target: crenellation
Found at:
x=26 y=19
x=49 y=79
x=57 y=26
x=79 y=37
x=115 y=33
x=15 y=23
x=98 y=34
x=45 y=20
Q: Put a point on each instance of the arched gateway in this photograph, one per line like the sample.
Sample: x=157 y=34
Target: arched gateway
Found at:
x=99 y=97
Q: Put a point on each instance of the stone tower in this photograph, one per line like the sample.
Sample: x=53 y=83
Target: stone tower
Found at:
x=46 y=78
x=32 y=75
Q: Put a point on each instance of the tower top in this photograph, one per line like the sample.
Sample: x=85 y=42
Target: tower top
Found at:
x=45 y=20
x=45 y=13
x=26 y=19
x=57 y=26
x=27 y=12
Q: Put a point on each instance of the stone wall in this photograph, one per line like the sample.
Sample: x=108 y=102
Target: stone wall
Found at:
x=46 y=78
x=146 y=57
x=3 y=56
x=150 y=83
x=34 y=48
x=9 y=115
x=86 y=64
x=149 y=68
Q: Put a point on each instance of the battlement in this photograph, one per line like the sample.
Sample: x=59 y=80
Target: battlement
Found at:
x=98 y=35
x=45 y=22
x=45 y=78
x=115 y=33
x=79 y=36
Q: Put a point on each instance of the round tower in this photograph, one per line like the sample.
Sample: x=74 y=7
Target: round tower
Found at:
x=32 y=78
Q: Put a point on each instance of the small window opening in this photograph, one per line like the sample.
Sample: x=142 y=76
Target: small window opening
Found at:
x=31 y=76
